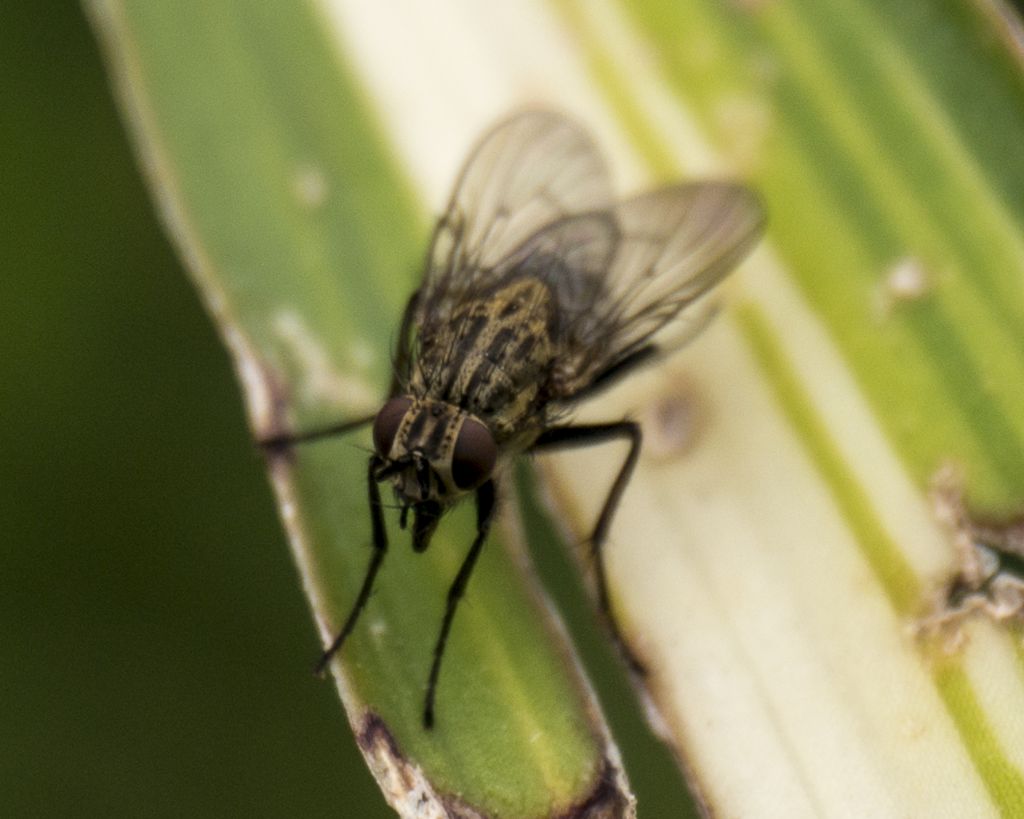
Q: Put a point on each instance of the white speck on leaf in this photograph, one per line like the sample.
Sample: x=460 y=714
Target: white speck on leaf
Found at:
x=288 y=510
x=362 y=354
x=378 y=628
x=322 y=380
x=908 y=280
x=310 y=187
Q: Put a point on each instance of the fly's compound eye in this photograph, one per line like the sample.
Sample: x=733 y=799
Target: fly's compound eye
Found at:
x=474 y=455
x=387 y=422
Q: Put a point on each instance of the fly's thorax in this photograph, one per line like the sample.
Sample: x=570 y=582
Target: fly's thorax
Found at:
x=432 y=450
x=494 y=356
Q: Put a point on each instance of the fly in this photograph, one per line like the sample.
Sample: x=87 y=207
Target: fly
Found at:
x=540 y=290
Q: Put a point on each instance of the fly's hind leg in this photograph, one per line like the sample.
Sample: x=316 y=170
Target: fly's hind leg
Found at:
x=587 y=435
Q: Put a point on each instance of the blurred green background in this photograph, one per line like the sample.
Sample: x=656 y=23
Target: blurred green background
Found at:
x=156 y=647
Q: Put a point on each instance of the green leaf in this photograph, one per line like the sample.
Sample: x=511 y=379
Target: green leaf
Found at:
x=303 y=237
x=845 y=440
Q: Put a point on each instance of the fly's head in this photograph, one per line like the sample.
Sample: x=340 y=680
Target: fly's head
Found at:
x=433 y=453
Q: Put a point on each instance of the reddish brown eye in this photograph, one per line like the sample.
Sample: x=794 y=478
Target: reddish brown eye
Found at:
x=474 y=455
x=388 y=420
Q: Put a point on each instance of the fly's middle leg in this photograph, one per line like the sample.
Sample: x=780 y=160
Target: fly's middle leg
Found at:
x=586 y=435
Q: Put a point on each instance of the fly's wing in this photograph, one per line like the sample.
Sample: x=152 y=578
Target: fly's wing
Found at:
x=675 y=244
x=530 y=171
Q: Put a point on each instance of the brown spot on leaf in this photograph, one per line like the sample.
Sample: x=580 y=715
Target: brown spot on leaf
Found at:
x=401 y=781
x=673 y=422
x=407 y=790
x=605 y=801
x=989 y=576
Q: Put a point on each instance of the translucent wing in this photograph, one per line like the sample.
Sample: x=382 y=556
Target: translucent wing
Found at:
x=675 y=244
x=530 y=171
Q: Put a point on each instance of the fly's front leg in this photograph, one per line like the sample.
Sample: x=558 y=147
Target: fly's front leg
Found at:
x=380 y=547
x=484 y=515
x=279 y=443
x=587 y=435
